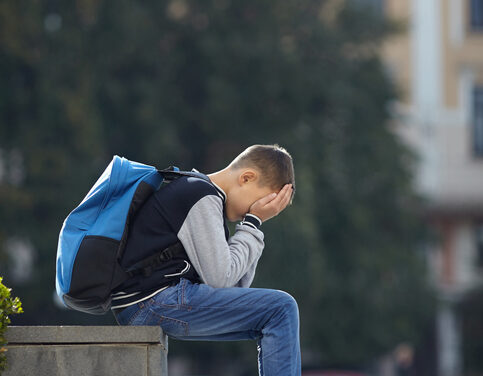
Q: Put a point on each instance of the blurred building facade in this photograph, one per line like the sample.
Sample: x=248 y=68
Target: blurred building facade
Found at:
x=438 y=64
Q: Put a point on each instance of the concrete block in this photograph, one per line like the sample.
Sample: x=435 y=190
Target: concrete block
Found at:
x=86 y=351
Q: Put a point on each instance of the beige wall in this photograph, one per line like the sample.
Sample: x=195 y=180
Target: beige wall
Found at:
x=397 y=50
x=464 y=53
x=442 y=135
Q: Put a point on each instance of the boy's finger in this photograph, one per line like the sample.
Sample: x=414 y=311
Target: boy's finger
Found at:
x=265 y=200
x=283 y=191
x=287 y=196
x=281 y=195
x=283 y=203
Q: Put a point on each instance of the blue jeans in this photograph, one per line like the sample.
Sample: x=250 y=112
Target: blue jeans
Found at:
x=192 y=311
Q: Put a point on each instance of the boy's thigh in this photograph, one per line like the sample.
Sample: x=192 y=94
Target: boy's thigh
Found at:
x=199 y=311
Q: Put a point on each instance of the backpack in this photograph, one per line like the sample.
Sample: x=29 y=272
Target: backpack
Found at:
x=93 y=236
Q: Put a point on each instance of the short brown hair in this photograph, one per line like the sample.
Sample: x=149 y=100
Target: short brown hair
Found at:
x=273 y=162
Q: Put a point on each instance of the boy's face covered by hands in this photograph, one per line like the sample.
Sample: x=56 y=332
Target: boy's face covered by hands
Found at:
x=249 y=197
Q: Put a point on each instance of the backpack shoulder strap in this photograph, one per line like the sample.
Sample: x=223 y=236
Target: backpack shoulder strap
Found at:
x=173 y=172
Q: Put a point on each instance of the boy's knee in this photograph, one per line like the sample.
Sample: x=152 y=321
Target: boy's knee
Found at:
x=287 y=301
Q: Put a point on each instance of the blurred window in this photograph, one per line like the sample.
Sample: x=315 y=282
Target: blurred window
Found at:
x=478 y=121
x=479 y=243
x=476 y=14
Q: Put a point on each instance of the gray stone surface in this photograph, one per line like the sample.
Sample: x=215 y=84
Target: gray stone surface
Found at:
x=83 y=334
x=86 y=351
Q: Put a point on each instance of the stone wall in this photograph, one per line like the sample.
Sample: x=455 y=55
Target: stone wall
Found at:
x=86 y=351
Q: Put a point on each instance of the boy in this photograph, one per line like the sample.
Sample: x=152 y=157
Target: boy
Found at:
x=212 y=299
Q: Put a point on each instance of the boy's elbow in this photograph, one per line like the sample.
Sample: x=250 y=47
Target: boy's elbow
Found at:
x=218 y=285
x=218 y=281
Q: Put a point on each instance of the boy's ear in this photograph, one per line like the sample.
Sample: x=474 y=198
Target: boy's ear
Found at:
x=247 y=176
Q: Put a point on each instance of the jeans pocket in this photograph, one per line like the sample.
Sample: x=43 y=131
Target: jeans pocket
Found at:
x=171 y=326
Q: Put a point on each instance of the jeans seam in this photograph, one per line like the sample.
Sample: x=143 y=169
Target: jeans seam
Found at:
x=167 y=305
x=182 y=303
x=133 y=317
x=162 y=318
x=140 y=305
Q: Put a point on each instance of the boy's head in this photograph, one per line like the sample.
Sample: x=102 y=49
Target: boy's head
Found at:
x=255 y=173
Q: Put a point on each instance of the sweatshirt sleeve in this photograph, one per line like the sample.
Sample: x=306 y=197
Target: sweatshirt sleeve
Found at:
x=247 y=279
x=220 y=263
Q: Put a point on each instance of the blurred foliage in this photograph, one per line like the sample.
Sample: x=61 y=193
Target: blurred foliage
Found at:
x=192 y=84
x=8 y=306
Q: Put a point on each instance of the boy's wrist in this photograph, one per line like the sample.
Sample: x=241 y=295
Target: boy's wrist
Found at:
x=252 y=220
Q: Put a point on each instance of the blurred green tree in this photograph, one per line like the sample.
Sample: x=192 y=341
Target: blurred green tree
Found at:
x=192 y=84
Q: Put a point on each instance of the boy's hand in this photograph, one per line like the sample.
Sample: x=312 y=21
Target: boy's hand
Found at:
x=271 y=205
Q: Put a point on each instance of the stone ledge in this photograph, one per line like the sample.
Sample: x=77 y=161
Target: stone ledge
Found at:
x=85 y=334
x=86 y=351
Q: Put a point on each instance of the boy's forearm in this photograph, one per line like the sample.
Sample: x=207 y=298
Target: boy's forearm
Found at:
x=246 y=279
x=220 y=263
